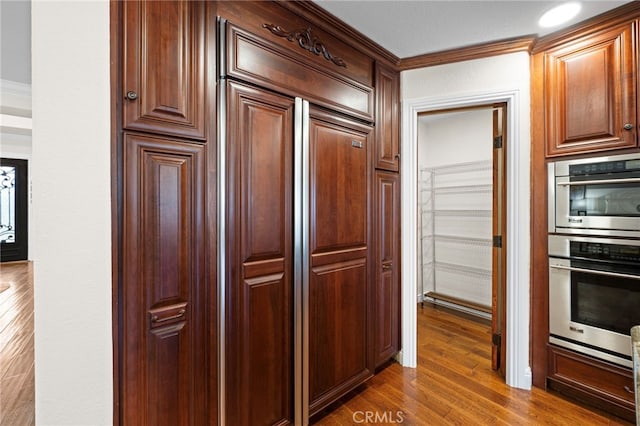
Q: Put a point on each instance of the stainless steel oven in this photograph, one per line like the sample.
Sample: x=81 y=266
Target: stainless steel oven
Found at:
x=595 y=196
x=594 y=295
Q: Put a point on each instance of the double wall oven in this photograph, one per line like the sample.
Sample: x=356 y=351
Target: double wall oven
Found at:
x=594 y=255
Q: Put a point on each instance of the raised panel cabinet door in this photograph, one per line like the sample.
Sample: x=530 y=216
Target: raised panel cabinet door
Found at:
x=387 y=152
x=387 y=265
x=259 y=290
x=340 y=317
x=164 y=75
x=163 y=290
x=590 y=94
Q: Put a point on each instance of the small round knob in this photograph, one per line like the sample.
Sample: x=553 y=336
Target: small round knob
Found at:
x=131 y=95
x=628 y=126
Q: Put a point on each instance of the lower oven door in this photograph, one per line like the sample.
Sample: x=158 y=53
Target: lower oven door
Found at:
x=592 y=311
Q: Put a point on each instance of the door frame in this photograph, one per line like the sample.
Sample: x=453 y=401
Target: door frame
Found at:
x=518 y=371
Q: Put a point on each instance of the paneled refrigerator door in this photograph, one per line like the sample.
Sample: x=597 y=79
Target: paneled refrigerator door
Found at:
x=258 y=348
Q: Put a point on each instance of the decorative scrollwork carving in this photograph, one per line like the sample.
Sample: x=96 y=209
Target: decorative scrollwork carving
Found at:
x=307 y=41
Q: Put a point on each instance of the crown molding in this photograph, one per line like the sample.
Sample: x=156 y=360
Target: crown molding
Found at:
x=477 y=51
x=10 y=87
x=15 y=98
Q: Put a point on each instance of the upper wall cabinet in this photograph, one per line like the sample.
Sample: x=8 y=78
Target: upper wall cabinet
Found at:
x=164 y=77
x=590 y=93
x=387 y=154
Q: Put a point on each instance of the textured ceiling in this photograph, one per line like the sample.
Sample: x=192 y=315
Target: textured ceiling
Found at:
x=410 y=28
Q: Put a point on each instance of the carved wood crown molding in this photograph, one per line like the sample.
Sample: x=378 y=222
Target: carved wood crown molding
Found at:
x=307 y=41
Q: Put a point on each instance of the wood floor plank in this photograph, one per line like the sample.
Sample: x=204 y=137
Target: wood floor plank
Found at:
x=17 y=387
x=454 y=385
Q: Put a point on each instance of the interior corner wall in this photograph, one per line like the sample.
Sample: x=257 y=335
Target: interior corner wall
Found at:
x=72 y=213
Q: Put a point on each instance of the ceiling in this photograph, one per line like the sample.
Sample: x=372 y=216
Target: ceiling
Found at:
x=410 y=28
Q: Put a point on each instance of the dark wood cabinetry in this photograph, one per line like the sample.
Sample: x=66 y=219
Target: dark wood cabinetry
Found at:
x=164 y=67
x=164 y=296
x=590 y=93
x=259 y=342
x=340 y=290
x=584 y=94
x=387 y=264
x=387 y=153
x=601 y=384
x=164 y=375
x=206 y=151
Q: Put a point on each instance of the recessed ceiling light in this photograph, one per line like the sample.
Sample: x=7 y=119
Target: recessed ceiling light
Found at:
x=560 y=14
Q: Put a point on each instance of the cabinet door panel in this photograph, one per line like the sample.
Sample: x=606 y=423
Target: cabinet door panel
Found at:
x=163 y=292
x=590 y=94
x=259 y=301
x=387 y=152
x=340 y=343
x=164 y=49
x=387 y=264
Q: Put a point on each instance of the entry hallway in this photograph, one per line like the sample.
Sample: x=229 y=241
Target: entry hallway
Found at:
x=453 y=383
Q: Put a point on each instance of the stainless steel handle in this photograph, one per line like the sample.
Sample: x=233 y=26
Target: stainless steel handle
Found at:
x=628 y=126
x=576 y=329
x=628 y=389
x=595 y=271
x=156 y=319
x=386 y=267
x=599 y=182
x=131 y=95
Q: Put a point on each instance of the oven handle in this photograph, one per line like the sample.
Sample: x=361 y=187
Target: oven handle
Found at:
x=595 y=271
x=603 y=181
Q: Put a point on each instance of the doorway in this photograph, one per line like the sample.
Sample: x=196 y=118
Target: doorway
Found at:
x=14 y=190
x=461 y=217
x=518 y=371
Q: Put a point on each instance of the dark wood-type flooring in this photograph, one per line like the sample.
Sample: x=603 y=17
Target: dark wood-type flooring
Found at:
x=453 y=384
x=17 y=389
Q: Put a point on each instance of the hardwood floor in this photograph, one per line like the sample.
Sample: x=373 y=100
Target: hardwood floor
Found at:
x=454 y=384
x=17 y=388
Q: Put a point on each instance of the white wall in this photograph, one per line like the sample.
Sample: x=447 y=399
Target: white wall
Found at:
x=458 y=84
x=454 y=137
x=72 y=210
x=447 y=138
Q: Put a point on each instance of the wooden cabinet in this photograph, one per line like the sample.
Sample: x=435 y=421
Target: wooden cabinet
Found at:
x=340 y=293
x=169 y=246
x=387 y=264
x=163 y=87
x=387 y=152
x=259 y=342
x=600 y=383
x=163 y=300
x=590 y=93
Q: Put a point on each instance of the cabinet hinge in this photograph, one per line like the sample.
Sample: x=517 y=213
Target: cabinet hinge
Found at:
x=496 y=339
x=497 y=142
x=497 y=241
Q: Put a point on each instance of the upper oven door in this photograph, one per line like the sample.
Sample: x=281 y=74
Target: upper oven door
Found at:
x=606 y=203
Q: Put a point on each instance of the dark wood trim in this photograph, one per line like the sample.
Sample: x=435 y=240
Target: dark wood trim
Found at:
x=622 y=14
x=483 y=50
x=458 y=301
x=539 y=275
x=335 y=26
x=116 y=194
